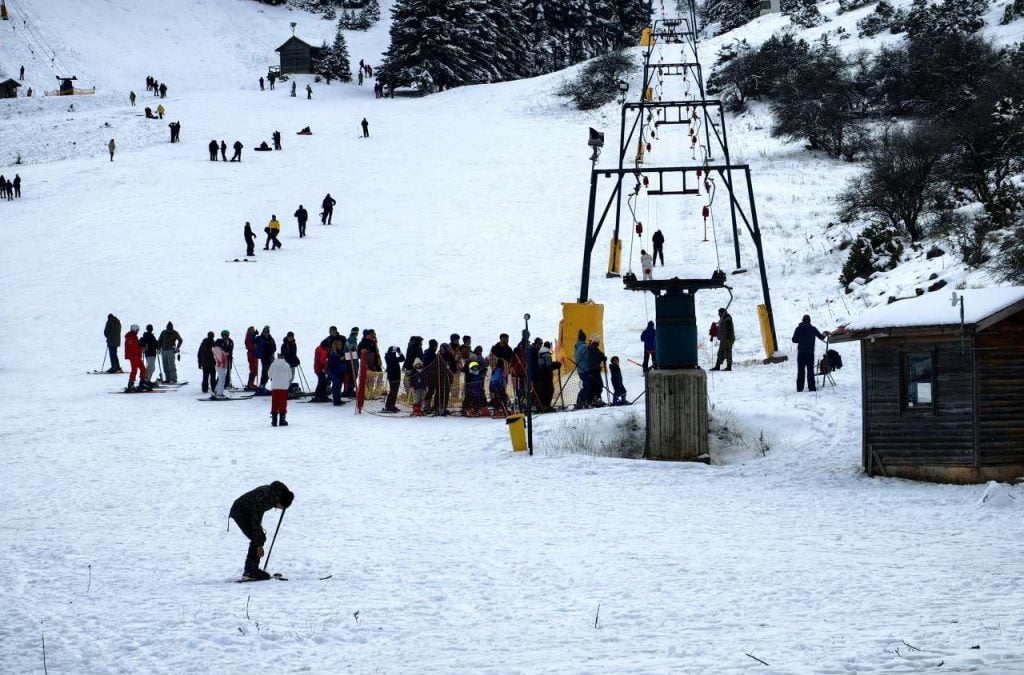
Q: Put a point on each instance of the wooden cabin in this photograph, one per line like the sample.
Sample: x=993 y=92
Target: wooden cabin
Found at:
x=942 y=386
x=9 y=89
x=297 y=56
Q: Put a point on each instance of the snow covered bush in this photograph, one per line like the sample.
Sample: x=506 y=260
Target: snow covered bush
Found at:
x=728 y=14
x=879 y=20
x=598 y=81
x=850 y=5
x=877 y=249
x=948 y=17
x=1013 y=10
x=803 y=13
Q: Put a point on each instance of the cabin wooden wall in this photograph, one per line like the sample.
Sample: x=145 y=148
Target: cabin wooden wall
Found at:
x=295 y=58
x=1001 y=392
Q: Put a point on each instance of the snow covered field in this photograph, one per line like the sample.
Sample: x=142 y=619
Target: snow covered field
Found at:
x=425 y=545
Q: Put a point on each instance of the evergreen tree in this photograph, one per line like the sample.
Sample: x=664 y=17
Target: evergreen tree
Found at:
x=729 y=14
x=334 y=63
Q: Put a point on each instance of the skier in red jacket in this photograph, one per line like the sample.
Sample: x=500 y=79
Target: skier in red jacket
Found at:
x=133 y=354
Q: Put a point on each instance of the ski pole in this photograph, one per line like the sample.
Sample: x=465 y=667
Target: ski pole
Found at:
x=276 y=530
x=104 y=366
x=237 y=374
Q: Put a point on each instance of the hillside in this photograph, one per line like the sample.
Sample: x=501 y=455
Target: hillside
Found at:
x=424 y=545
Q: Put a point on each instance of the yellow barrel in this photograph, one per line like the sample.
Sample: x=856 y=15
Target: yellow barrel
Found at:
x=766 y=331
x=517 y=431
x=614 y=256
x=647 y=37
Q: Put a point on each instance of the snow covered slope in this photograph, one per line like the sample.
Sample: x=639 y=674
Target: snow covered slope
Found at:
x=445 y=553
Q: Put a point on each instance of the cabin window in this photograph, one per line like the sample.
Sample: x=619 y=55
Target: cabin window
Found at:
x=918 y=381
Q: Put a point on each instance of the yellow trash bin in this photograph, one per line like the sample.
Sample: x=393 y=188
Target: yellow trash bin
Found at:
x=517 y=431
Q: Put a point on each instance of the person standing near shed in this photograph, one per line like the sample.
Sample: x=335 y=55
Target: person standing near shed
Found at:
x=804 y=337
x=647 y=264
x=726 y=337
x=659 y=245
x=649 y=338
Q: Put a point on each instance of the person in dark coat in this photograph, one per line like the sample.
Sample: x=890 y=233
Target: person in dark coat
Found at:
x=262 y=88
x=302 y=216
x=595 y=363
x=393 y=359
x=223 y=151
x=237 y=157
x=266 y=348
x=328 y=209
x=250 y=240
x=213 y=150
x=618 y=389
x=502 y=350
x=546 y=367
x=228 y=345
x=290 y=353
x=163 y=90
x=726 y=338
x=659 y=247
x=206 y=362
x=112 y=332
x=336 y=369
x=16 y=184
x=650 y=340
x=804 y=337
x=247 y=512
x=149 y=344
x=366 y=128
x=276 y=136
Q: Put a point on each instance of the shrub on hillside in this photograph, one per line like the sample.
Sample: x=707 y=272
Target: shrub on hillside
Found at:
x=728 y=14
x=877 y=249
x=1009 y=263
x=850 y=5
x=598 y=81
x=949 y=17
x=877 y=21
x=1013 y=10
x=758 y=73
x=803 y=13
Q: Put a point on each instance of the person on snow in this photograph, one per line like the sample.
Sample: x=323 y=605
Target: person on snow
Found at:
x=618 y=389
x=250 y=240
x=229 y=346
x=501 y=349
x=16 y=184
x=237 y=157
x=223 y=151
x=131 y=98
x=413 y=351
x=327 y=207
x=149 y=344
x=266 y=347
x=546 y=368
x=496 y=385
x=112 y=332
x=352 y=362
x=160 y=110
x=111 y=146
x=163 y=90
x=309 y=93
x=418 y=381
x=320 y=355
x=650 y=339
x=368 y=347
x=247 y=512
x=726 y=337
x=336 y=369
x=393 y=359
x=595 y=364
x=252 y=356
x=290 y=352
x=276 y=137
x=302 y=216
x=366 y=128
x=175 y=131
x=261 y=84
x=220 y=366
x=272 y=229
x=170 y=346
x=659 y=247
x=580 y=356
x=280 y=381
x=647 y=265
x=475 y=401
x=133 y=354
x=204 y=358
x=213 y=150
x=293 y=89
x=272 y=79
x=804 y=337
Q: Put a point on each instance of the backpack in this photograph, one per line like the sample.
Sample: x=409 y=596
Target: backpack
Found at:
x=834 y=360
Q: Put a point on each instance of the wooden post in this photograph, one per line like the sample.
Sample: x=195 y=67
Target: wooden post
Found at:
x=677 y=415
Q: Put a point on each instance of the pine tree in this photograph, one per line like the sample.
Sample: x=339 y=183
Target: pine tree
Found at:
x=334 y=63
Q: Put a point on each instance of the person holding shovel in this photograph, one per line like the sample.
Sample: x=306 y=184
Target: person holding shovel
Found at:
x=247 y=512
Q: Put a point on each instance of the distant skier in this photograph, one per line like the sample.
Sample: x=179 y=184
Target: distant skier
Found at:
x=237 y=157
x=111 y=146
x=112 y=332
x=160 y=110
x=328 y=209
x=647 y=264
x=302 y=216
x=229 y=346
x=261 y=83
x=16 y=184
x=213 y=150
x=223 y=151
x=280 y=381
x=247 y=512
x=163 y=90
x=366 y=128
x=133 y=354
x=726 y=334
x=293 y=88
x=276 y=136
x=309 y=93
x=250 y=240
x=272 y=229
x=659 y=244
x=170 y=346
x=804 y=337
x=149 y=344
x=21 y=76
x=131 y=98
x=618 y=389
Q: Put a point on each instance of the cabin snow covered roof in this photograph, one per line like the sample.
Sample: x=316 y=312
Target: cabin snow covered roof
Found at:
x=982 y=308
x=296 y=41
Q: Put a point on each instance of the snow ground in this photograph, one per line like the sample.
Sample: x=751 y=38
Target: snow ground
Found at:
x=445 y=552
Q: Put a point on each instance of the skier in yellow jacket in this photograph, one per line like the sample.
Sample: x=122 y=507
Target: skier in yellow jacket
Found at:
x=272 y=229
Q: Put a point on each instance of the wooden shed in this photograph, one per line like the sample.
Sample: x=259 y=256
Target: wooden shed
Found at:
x=9 y=89
x=297 y=56
x=942 y=386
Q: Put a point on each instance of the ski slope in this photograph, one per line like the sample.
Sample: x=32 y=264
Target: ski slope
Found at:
x=425 y=545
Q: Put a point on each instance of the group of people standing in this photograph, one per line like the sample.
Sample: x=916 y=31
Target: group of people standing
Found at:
x=213 y=147
x=152 y=84
x=10 y=189
x=141 y=353
x=273 y=228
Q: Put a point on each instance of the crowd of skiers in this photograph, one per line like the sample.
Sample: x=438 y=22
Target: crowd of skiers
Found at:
x=158 y=88
x=10 y=189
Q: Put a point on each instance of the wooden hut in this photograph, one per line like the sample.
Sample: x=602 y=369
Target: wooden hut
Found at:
x=9 y=89
x=297 y=56
x=942 y=386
